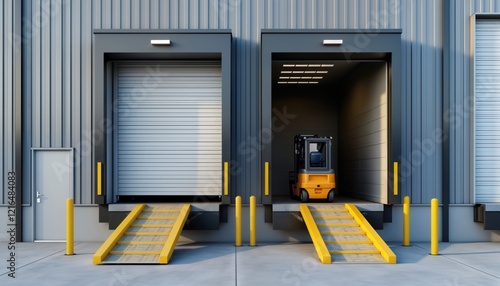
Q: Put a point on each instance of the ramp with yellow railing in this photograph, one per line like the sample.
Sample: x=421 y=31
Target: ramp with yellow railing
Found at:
x=340 y=233
x=147 y=235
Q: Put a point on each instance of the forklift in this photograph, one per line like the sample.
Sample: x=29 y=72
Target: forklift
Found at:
x=313 y=176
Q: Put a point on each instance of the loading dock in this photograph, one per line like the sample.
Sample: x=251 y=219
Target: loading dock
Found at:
x=339 y=83
x=162 y=120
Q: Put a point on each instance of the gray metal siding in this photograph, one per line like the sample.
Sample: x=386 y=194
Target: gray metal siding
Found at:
x=57 y=77
x=420 y=168
x=459 y=114
x=169 y=129
x=6 y=94
x=57 y=85
x=486 y=111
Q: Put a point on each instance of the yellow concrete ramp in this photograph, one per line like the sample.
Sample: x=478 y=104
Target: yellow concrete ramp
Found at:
x=340 y=233
x=147 y=235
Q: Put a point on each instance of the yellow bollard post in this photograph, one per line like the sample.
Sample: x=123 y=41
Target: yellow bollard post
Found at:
x=70 y=231
x=434 y=227
x=406 y=221
x=253 y=225
x=237 y=218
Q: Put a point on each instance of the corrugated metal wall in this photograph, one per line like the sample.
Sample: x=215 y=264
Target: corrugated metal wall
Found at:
x=460 y=96
x=7 y=94
x=421 y=99
x=57 y=84
x=57 y=77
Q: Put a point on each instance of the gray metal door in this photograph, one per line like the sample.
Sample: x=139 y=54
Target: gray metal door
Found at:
x=169 y=129
x=52 y=178
x=487 y=111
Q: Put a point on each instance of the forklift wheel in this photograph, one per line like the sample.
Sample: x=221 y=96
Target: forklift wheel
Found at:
x=304 y=196
x=331 y=194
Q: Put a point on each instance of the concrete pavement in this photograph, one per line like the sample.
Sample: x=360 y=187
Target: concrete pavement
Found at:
x=266 y=264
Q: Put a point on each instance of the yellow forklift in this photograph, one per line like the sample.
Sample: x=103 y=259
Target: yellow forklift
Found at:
x=313 y=176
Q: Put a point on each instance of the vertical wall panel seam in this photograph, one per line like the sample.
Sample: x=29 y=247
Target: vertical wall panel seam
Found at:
x=49 y=83
x=17 y=122
x=78 y=195
x=91 y=110
x=39 y=87
x=70 y=77
x=446 y=78
x=3 y=95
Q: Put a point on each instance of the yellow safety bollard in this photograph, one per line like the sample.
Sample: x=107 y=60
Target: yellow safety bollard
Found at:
x=253 y=225
x=406 y=221
x=70 y=230
x=237 y=218
x=434 y=227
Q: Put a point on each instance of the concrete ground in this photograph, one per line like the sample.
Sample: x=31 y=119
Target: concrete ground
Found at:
x=267 y=264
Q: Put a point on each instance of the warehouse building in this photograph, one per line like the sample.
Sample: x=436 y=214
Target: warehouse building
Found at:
x=120 y=102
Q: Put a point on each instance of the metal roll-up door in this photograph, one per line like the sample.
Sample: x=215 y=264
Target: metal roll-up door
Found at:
x=487 y=111
x=169 y=129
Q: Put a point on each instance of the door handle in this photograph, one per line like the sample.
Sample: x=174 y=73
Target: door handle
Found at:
x=38 y=197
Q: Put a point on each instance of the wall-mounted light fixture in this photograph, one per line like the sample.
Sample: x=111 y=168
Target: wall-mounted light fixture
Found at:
x=332 y=42
x=160 y=42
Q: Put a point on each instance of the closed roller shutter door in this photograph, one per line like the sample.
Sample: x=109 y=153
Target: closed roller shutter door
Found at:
x=487 y=111
x=169 y=136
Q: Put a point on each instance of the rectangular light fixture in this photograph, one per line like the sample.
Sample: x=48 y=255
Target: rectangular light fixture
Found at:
x=333 y=42
x=160 y=42
x=298 y=82
x=327 y=65
x=288 y=65
x=286 y=71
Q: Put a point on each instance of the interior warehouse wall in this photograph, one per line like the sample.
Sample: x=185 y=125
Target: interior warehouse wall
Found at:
x=57 y=74
x=363 y=134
